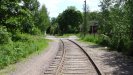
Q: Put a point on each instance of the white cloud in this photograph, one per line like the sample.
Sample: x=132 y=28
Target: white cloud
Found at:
x=57 y=6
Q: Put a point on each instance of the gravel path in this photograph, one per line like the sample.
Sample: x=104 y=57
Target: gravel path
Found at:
x=37 y=64
x=109 y=62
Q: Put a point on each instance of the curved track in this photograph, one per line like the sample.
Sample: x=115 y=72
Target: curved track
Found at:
x=71 y=59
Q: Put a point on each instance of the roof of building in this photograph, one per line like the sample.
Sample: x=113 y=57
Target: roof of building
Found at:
x=93 y=23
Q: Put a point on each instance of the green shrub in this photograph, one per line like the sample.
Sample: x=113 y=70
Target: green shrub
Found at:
x=25 y=45
x=92 y=38
x=104 y=40
x=5 y=53
x=4 y=36
x=36 y=31
x=21 y=37
x=129 y=50
x=120 y=44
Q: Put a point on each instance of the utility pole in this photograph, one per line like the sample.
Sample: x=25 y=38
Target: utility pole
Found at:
x=85 y=22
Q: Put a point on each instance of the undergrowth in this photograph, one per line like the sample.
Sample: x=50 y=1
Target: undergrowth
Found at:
x=22 y=46
x=124 y=45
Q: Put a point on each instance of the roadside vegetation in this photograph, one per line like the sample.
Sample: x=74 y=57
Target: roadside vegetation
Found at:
x=22 y=28
x=115 y=25
x=14 y=51
x=90 y=38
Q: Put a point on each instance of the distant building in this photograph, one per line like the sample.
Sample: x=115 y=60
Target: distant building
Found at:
x=93 y=27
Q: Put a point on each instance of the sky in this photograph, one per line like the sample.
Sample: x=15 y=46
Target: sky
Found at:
x=54 y=7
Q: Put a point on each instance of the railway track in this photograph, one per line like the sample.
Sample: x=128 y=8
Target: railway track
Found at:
x=71 y=59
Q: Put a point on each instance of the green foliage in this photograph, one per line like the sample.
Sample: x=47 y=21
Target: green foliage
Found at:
x=26 y=44
x=53 y=28
x=20 y=37
x=18 y=19
x=12 y=24
x=27 y=25
x=32 y=5
x=44 y=21
x=91 y=38
x=4 y=35
x=115 y=25
x=8 y=14
x=93 y=16
x=36 y=31
x=129 y=9
x=70 y=19
x=104 y=40
x=23 y=16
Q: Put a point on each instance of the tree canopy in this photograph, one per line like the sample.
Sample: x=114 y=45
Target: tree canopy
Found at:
x=44 y=21
x=22 y=16
x=70 y=20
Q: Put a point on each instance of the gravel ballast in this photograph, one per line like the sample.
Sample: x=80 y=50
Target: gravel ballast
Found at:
x=109 y=62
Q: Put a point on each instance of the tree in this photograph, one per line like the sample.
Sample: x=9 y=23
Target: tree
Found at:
x=44 y=21
x=70 y=19
x=22 y=16
x=32 y=5
x=18 y=15
x=29 y=16
x=54 y=26
x=105 y=25
x=129 y=4
x=9 y=12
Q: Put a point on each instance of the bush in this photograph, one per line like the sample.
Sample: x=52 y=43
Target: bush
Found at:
x=21 y=37
x=91 y=38
x=129 y=48
x=36 y=31
x=4 y=35
x=25 y=45
x=104 y=40
x=5 y=53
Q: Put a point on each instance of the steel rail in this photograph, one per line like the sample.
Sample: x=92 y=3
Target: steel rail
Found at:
x=59 y=68
x=94 y=65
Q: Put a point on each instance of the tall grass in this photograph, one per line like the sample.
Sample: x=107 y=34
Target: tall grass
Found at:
x=21 y=47
x=121 y=45
x=91 y=38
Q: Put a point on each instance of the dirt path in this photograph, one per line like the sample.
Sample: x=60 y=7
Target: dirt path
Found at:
x=37 y=64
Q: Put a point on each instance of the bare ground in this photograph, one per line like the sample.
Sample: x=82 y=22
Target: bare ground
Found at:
x=109 y=62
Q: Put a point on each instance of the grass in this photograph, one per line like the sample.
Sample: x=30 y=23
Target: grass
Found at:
x=90 y=38
x=65 y=35
x=8 y=69
x=21 y=48
x=90 y=43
